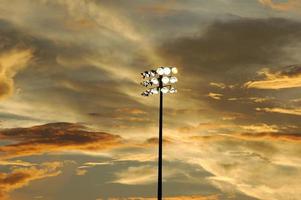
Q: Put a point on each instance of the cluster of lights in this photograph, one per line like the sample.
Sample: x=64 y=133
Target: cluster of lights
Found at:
x=160 y=71
x=164 y=90
x=163 y=74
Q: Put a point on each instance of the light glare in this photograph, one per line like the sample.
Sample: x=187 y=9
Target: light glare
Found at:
x=173 y=79
x=174 y=70
x=167 y=70
x=155 y=81
x=155 y=91
x=164 y=90
x=160 y=71
x=165 y=80
x=173 y=90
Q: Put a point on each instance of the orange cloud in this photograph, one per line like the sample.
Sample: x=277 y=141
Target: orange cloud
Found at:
x=261 y=128
x=290 y=111
x=133 y=111
x=11 y=63
x=260 y=136
x=20 y=177
x=208 y=127
x=215 y=95
x=285 y=6
x=162 y=8
x=277 y=80
x=271 y=136
x=54 y=137
x=192 y=197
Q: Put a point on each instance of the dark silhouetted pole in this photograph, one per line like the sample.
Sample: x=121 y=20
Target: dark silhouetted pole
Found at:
x=162 y=78
x=160 y=141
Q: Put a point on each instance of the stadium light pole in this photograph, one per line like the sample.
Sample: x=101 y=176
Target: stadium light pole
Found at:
x=162 y=78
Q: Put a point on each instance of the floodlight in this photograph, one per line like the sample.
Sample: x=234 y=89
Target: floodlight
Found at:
x=155 y=91
x=155 y=81
x=165 y=79
x=160 y=71
x=167 y=70
x=145 y=83
x=153 y=72
x=162 y=78
x=172 y=90
x=164 y=90
x=173 y=79
x=145 y=93
x=174 y=70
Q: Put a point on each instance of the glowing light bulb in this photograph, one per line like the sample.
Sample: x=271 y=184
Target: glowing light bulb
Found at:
x=165 y=80
x=164 y=90
x=155 y=81
x=155 y=91
x=167 y=70
x=173 y=79
x=174 y=70
x=160 y=71
x=173 y=90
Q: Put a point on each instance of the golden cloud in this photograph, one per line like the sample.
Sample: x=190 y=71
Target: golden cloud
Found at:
x=246 y=162
x=218 y=85
x=289 y=111
x=11 y=62
x=192 y=197
x=215 y=95
x=277 y=80
x=162 y=8
x=284 y=6
x=54 y=137
x=261 y=128
x=20 y=177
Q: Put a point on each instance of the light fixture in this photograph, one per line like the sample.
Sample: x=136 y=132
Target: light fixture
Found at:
x=153 y=72
x=155 y=91
x=165 y=79
x=172 y=90
x=155 y=81
x=173 y=79
x=164 y=90
x=146 y=83
x=174 y=70
x=167 y=70
x=162 y=78
x=160 y=71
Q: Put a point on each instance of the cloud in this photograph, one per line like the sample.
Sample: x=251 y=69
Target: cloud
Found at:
x=192 y=197
x=246 y=162
x=220 y=54
x=208 y=127
x=261 y=128
x=289 y=111
x=81 y=172
x=55 y=137
x=219 y=85
x=11 y=62
x=215 y=95
x=294 y=5
x=290 y=78
x=15 y=163
x=137 y=175
x=21 y=176
x=162 y=8
x=270 y=136
x=147 y=174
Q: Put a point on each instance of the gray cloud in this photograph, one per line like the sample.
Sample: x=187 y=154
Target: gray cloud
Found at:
x=232 y=52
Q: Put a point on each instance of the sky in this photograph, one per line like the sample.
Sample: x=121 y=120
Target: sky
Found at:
x=73 y=125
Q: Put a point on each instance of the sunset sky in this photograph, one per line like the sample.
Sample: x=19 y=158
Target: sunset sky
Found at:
x=73 y=125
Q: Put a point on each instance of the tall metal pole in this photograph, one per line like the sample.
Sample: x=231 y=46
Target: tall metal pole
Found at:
x=160 y=141
x=162 y=76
